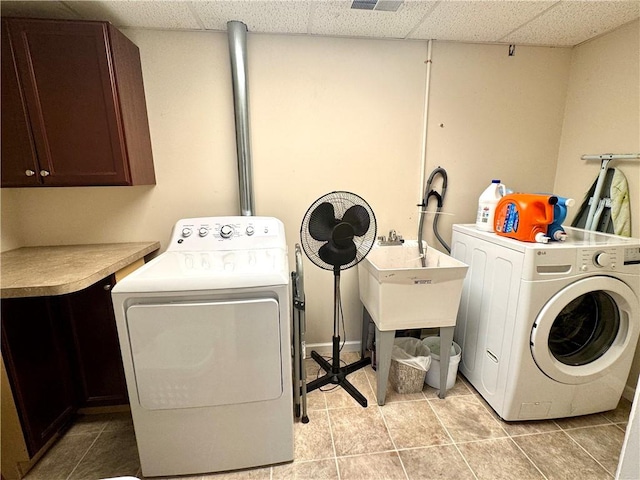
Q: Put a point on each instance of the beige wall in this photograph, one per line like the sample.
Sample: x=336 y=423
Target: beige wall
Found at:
x=493 y=116
x=9 y=224
x=335 y=114
x=326 y=114
x=602 y=115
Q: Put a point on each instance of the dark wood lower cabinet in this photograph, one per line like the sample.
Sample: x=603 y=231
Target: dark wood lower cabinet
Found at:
x=96 y=350
x=61 y=353
x=34 y=349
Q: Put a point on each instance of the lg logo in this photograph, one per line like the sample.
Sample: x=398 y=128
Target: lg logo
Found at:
x=541 y=252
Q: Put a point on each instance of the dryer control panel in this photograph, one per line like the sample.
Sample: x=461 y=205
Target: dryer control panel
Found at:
x=227 y=233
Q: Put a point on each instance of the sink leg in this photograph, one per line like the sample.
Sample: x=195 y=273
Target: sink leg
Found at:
x=446 y=340
x=366 y=318
x=384 y=345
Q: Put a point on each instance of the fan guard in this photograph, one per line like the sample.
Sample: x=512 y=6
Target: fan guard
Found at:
x=341 y=217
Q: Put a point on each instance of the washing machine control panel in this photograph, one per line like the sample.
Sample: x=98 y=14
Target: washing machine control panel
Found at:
x=632 y=256
x=598 y=259
x=227 y=233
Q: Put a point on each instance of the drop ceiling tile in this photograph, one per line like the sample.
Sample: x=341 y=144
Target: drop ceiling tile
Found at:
x=539 y=22
x=335 y=17
x=49 y=9
x=477 y=21
x=263 y=16
x=141 y=14
x=572 y=22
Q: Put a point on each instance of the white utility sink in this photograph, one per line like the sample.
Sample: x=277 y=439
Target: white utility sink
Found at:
x=399 y=293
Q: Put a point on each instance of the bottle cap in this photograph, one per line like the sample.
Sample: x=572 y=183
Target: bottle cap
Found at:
x=495 y=181
x=541 y=238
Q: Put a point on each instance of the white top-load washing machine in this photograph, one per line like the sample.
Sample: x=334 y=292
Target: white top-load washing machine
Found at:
x=204 y=331
x=548 y=330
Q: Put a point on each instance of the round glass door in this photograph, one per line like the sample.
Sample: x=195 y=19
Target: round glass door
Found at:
x=584 y=329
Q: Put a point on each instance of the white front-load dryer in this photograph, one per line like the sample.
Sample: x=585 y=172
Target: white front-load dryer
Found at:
x=548 y=330
x=204 y=331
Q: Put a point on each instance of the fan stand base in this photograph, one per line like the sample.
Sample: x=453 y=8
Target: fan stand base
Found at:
x=337 y=374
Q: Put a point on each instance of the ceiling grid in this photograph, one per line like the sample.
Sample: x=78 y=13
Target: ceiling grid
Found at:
x=562 y=23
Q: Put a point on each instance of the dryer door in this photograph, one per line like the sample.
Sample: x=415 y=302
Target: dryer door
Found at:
x=585 y=329
x=201 y=354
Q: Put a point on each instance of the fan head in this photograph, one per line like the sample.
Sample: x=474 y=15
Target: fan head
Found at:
x=338 y=230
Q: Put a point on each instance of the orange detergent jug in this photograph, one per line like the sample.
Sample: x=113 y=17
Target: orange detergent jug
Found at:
x=524 y=216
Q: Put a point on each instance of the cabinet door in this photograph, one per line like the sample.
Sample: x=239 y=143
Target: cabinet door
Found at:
x=19 y=161
x=98 y=365
x=66 y=71
x=34 y=352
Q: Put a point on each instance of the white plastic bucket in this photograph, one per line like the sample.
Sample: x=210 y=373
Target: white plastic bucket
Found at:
x=433 y=374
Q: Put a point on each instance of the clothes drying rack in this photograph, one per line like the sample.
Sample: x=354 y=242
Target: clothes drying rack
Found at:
x=596 y=202
x=299 y=348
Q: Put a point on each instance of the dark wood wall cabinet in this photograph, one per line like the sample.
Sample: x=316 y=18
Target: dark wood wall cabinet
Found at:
x=61 y=353
x=73 y=106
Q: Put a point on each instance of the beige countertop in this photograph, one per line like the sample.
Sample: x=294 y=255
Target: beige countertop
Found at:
x=56 y=270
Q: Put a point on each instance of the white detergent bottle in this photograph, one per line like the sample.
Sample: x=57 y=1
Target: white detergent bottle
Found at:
x=487 y=205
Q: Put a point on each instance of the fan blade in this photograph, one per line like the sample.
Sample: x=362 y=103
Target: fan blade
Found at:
x=335 y=256
x=322 y=221
x=358 y=217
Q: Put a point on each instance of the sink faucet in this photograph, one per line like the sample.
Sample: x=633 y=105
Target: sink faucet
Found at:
x=392 y=239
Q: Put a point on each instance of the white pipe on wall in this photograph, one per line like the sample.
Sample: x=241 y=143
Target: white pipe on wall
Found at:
x=425 y=125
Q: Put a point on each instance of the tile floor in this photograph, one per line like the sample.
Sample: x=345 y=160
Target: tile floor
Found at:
x=413 y=436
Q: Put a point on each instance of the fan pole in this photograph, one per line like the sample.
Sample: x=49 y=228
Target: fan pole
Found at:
x=336 y=320
x=337 y=374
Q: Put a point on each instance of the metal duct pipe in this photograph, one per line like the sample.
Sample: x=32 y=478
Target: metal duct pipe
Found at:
x=237 y=34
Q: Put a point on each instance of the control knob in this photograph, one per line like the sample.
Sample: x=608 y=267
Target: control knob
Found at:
x=602 y=259
x=186 y=232
x=250 y=231
x=202 y=231
x=226 y=231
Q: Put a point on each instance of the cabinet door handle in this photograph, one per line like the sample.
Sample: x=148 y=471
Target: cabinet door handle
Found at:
x=29 y=173
x=107 y=287
x=44 y=173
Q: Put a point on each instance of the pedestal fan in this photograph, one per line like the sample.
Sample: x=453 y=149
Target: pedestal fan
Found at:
x=337 y=232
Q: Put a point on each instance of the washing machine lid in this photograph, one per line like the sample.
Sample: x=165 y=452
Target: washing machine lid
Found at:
x=585 y=329
x=213 y=270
